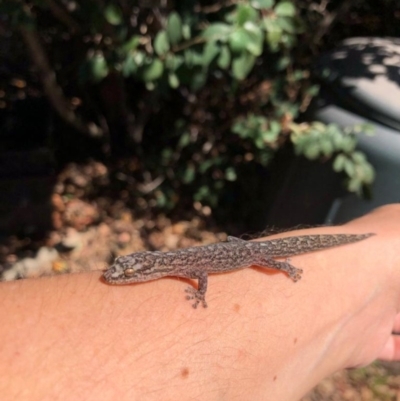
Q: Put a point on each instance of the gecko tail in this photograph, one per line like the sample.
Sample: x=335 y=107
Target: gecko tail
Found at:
x=283 y=247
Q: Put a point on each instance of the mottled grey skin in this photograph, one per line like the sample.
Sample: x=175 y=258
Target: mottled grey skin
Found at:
x=197 y=262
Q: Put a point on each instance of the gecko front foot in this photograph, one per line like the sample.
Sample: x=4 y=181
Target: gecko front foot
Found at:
x=197 y=296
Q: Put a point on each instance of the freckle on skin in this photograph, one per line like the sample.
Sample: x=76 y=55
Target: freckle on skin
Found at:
x=236 y=307
x=295 y=340
x=275 y=377
x=184 y=373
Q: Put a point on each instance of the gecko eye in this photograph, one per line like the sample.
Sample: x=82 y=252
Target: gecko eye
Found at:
x=129 y=272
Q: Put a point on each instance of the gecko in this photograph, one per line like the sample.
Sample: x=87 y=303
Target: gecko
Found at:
x=199 y=261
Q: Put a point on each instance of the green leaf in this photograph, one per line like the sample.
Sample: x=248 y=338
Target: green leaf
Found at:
x=129 y=66
x=283 y=62
x=349 y=167
x=217 y=31
x=224 y=58
x=202 y=193
x=311 y=151
x=205 y=165
x=161 y=43
x=161 y=199
x=198 y=79
x=274 y=33
x=230 y=174
x=113 y=14
x=239 y=40
x=273 y=39
x=265 y=157
x=98 y=67
x=359 y=157
x=298 y=75
x=245 y=13
x=259 y=142
x=368 y=129
x=173 y=61
x=173 y=80
x=131 y=44
x=242 y=65
x=132 y=62
x=348 y=144
x=211 y=49
x=285 y=9
x=369 y=173
x=184 y=140
x=239 y=128
x=354 y=185
x=255 y=44
x=287 y=25
x=289 y=40
x=313 y=90
x=274 y=130
x=338 y=164
x=150 y=86
x=166 y=156
x=188 y=175
x=152 y=71
x=260 y=4
x=337 y=139
x=326 y=146
x=189 y=57
x=174 y=28
x=186 y=32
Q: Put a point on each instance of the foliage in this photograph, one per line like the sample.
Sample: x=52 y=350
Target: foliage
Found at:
x=198 y=91
x=326 y=141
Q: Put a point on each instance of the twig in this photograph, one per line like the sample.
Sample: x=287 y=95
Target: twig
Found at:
x=62 y=15
x=51 y=87
x=215 y=7
x=331 y=18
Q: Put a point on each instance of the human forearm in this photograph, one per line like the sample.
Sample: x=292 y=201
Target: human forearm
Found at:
x=81 y=337
x=260 y=338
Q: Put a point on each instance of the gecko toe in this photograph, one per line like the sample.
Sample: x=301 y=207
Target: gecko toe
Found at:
x=197 y=296
x=297 y=277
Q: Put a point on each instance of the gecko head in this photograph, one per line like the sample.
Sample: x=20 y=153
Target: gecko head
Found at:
x=127 y=269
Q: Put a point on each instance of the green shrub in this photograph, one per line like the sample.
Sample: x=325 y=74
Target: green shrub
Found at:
x=191 y=94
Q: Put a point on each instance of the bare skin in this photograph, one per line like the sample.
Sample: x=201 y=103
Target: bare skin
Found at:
x=72 y=337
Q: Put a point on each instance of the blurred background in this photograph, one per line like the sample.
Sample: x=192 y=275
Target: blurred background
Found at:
x=160 y=124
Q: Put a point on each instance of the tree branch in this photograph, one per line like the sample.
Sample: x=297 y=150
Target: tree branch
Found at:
x=51 y=88
x=62 y=15
x=330 y=18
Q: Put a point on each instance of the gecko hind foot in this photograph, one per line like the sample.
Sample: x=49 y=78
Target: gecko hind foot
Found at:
x=293 y=272
x=197 y=296
x=296 y=276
